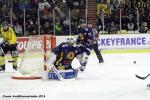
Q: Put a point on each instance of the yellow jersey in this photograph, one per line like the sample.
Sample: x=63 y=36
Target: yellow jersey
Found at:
x=8 y=35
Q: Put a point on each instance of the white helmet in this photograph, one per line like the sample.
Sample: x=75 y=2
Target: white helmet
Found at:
x=71 y=40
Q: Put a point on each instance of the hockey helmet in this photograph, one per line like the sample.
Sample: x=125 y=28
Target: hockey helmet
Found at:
x=89 y=23
x=5 y=25
x=71 y=40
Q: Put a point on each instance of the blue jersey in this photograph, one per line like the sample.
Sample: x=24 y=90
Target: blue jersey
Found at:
x=85 y=34
x=86 y=37
x=66 y=53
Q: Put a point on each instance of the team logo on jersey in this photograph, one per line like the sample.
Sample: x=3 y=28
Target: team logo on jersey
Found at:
x=70 y=55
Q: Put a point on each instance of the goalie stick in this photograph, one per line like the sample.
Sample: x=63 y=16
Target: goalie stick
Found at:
x=54 y=68
x=142 y=78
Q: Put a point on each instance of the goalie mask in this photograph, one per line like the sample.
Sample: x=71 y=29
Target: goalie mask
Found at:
x=70 y=40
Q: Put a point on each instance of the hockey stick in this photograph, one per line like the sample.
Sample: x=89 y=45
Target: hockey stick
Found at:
x=142 y=78
x=57 y=73
x=54 y=68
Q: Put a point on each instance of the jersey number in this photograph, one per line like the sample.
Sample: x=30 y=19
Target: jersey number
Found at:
x=81 y=36
x=70 y=55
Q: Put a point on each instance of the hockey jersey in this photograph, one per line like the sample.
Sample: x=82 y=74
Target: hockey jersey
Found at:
x=8 y=35
x=86 y=37
x=66 y=53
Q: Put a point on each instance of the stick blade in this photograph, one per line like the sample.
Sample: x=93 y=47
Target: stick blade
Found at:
x=139 y=77
x=11 y=61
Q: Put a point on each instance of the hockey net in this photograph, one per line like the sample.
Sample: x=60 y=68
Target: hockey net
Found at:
x=32 y=62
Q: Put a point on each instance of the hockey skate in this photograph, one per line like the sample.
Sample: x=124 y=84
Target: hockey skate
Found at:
x=15 y=67
x=101 y=62
x=2 y=68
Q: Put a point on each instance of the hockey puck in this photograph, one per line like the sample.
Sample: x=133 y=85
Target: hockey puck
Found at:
x=134 y=62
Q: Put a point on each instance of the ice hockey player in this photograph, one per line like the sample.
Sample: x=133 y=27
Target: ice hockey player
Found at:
x=8 y=44
x=88 y=38
x=63 y=55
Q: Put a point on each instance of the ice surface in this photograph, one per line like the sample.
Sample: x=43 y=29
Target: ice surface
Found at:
x=113 y=80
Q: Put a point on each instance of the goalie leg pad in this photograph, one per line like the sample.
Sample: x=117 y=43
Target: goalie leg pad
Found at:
x=83 y=58
x=66 y=74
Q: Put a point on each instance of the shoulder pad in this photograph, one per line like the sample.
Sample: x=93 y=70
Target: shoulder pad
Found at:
x=64 y=44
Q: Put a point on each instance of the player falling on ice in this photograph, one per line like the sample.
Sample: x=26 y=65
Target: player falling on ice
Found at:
x=63 y=55
x=8 y=44
x=88 y=38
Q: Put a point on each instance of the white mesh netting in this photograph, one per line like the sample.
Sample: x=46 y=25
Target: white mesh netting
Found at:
x=32 y=62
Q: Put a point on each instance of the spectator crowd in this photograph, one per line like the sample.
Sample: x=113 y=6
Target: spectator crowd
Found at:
x=33 y=17
x=42 y=16
x=128 y=15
